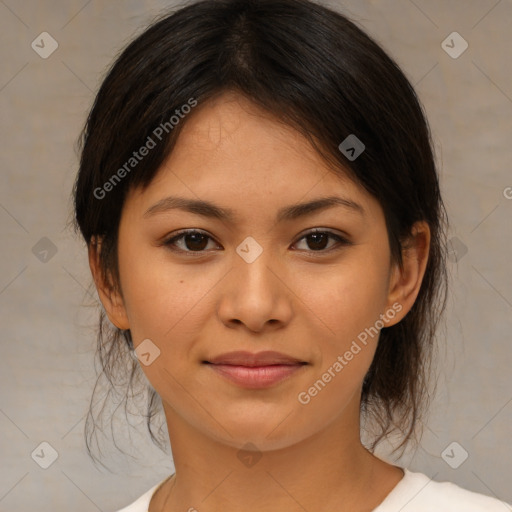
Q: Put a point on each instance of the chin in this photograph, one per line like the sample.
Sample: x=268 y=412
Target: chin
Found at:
x=265 y=435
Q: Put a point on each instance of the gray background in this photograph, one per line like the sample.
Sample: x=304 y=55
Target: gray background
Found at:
x=46 y=368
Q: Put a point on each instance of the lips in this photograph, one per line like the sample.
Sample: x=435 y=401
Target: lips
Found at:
x=243 y=358
x=255 y=371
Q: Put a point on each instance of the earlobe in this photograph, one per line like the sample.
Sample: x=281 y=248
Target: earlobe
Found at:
x=405 y=282
x=110 y=298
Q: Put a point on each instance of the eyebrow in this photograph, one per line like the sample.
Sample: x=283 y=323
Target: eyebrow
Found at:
x=210 y=210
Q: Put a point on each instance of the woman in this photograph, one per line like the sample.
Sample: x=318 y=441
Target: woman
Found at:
x=260 y=201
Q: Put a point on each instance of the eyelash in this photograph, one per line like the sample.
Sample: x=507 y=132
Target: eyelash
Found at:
x=181 y=234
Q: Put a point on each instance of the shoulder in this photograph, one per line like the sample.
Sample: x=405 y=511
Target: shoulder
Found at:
x=417 y=492
x=141 y=504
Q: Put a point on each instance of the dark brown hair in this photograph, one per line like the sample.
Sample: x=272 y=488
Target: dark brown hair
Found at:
x=316 y=71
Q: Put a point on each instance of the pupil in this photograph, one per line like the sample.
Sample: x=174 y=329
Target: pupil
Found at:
x=315 y=236
x=196 y=239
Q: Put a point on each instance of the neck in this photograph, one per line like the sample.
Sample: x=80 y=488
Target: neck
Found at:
x=330 y=471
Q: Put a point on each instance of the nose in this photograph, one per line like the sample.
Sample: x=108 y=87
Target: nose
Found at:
x=256 y=294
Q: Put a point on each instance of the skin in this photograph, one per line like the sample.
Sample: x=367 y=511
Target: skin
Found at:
x=294 y=298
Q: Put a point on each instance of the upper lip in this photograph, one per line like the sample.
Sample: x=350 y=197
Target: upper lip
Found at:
x=243 y=358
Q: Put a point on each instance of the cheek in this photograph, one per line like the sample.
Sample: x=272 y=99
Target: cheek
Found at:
x=166 y=302
x=347 y=305
x=348 y=298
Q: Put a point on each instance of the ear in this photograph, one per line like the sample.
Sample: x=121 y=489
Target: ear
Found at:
x=405 y=283
x=111 y=299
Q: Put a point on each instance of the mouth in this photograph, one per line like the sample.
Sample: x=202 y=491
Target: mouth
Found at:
x=255 y=371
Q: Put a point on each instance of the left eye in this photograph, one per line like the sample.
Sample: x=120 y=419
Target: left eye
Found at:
x=319 y=238
x=197 y=241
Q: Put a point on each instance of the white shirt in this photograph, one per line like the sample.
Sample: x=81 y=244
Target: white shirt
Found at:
x=416 y=492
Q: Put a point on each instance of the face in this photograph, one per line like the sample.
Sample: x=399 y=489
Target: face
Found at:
x=255 y=279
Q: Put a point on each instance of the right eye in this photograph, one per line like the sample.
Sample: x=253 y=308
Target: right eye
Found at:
x=191 y=240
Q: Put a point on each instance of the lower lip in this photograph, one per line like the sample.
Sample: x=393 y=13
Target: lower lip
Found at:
x=256 y=377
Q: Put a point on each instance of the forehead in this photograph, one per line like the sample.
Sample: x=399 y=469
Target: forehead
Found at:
x=234 y=153
x=231 y=128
